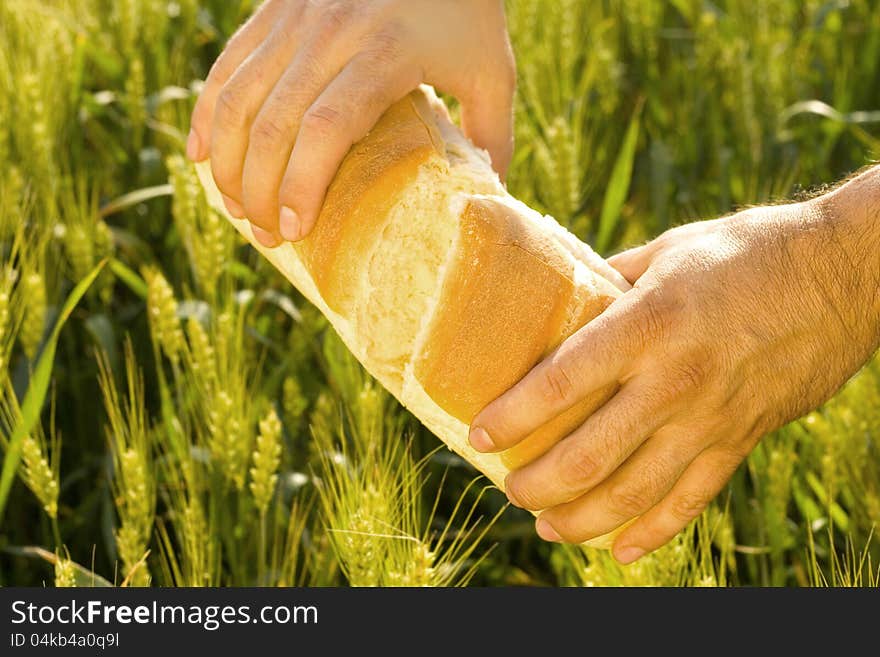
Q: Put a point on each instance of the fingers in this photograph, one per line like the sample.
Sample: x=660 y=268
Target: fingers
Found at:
x=239 y=103
x=487 y=120
x=593 y=357
x=635 y=487
x=693 y=492
x=236 y=51
x=592 y=452
x=275 y=145
x=278 y=126
x=341 y=116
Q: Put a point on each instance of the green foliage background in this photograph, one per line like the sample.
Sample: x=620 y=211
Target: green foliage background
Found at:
x=200 y=425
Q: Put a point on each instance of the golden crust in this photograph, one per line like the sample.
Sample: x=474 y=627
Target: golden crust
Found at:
x=506 y=291
x=510 y=292
x=592 y=301
x=508 y=299
x=361 y=196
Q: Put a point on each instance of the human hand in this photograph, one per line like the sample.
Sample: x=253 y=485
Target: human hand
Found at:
x=302 y=81
x=733 y=328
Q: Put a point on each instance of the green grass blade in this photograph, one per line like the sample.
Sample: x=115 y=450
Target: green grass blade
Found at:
x=130 y=277
x=618 y=185
x=38 y=387
x=135 y=197
x=852 y=120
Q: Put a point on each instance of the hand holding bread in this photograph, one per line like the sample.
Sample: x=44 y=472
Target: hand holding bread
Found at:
x=302 y=81
x=733 y=328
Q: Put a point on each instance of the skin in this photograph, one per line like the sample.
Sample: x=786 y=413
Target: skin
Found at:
x=733 y=327
x=303 y=80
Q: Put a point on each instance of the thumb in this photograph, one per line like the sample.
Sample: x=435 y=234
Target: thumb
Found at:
x=487 y=120
x=634 y=262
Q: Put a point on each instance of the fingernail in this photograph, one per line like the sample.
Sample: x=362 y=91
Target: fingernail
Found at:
x=264 y=237
x=193 y=145
x=289 y=224
x=546 y=532
x=480 y=440
x=628 y=554
x=233 y=207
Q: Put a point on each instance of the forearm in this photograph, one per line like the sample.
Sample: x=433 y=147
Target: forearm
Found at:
x=853 y=213
x=733 y=328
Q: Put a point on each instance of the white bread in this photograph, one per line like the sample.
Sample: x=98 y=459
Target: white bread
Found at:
x=446 y=288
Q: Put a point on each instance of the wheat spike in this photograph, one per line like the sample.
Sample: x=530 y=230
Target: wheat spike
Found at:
x=162 y=311
x=39 y=475
x=33 y=294
x=65 y=572
x=267 y=458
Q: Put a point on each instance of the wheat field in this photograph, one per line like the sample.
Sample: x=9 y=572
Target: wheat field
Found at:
x=173 y=413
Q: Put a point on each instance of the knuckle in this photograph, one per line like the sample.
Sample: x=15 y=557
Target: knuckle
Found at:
x=386 y=47
x=323 y=120
x=268 y=131
x=628 y=499
x=689 y=375
x=579 y=467
x=230 y=109
x=653 y=318
x=294 y=17
x=737 y=451
x=556 y=382
x=334 y=17
x=687 y=506
x=639 y=491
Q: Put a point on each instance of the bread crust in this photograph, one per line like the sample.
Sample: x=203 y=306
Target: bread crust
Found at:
x=359 y=199
x=511 y=287
x=505 y=294
x=509 y=298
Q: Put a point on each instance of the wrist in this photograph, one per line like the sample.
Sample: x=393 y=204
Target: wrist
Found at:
x=852 y=216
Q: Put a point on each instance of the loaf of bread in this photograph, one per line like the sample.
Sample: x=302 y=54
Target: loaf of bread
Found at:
x=446 y=288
